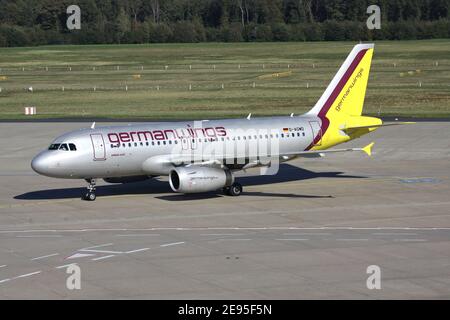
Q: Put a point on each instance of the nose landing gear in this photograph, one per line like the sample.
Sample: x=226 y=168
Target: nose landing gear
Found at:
x=90 y=193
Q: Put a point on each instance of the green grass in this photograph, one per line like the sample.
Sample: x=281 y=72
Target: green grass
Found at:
x=391 y=92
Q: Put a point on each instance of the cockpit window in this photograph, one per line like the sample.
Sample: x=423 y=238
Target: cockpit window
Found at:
x=72 y=147
x=54 y=146
x=64 y=147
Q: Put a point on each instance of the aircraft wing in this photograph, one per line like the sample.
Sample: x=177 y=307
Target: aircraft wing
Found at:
x=186 y=160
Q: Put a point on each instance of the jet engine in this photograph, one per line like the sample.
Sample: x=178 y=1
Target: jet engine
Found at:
x=195 y=179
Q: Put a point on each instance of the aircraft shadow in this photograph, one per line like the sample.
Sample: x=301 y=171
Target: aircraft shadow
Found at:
x=210 y=195
x=286 y=173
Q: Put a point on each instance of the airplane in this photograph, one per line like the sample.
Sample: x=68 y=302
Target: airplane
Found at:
x=203 y=156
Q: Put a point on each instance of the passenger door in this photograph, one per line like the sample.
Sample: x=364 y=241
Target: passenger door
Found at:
x=98 y=145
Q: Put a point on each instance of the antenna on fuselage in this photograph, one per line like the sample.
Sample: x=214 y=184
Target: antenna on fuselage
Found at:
x=93 y=125
x=249 y=116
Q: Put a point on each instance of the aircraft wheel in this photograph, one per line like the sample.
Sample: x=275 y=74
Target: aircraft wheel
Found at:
x=235 y=189
x=89 y=196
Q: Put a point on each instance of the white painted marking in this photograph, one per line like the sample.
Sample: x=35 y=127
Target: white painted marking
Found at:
x=411 y=240
x=171 y=244
x=307 y=234
x=298 y=239
x=98 y=246
x=138 y=250
x=102 y=251
x=41 y=236
x=5 y=280
x=234 y=239
x=27 y=275
x=80 y=255
x=43 y=257
x=139 y=235
x=65 y=266
x=223 y=234
x=104 y=257
x=394 y=234
x=228 y=228
x=2 y=266
x=354 y=239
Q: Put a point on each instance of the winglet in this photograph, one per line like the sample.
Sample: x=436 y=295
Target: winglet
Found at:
x=249 y=116
x=93 y=125
x=368 y=149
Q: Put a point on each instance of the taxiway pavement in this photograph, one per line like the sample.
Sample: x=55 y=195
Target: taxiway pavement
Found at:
x=309 y=232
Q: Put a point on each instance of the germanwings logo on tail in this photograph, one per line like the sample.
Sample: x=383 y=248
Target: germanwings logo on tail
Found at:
x=352 y=84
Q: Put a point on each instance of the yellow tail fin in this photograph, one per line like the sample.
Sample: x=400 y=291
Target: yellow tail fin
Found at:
x=346 y=92
x=341 y=105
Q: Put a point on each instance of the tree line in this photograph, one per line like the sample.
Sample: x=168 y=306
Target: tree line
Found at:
x=37 y=22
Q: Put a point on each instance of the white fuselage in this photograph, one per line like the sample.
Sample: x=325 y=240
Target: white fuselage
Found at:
x=157 y=147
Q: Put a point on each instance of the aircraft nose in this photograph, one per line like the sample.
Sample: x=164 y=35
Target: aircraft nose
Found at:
x=40 y=164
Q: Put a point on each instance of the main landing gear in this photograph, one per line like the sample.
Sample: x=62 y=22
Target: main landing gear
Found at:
x=90 y=193
x=234 y=190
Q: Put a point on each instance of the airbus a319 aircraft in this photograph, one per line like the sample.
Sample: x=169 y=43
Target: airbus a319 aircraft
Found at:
x=202 y=156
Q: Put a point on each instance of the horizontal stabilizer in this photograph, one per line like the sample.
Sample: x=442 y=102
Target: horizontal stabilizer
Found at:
x=375 y=126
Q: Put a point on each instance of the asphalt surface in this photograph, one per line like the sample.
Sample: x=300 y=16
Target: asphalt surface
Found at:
x=309 y=232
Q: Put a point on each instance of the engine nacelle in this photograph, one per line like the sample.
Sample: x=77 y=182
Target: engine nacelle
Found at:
x=199 y=179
